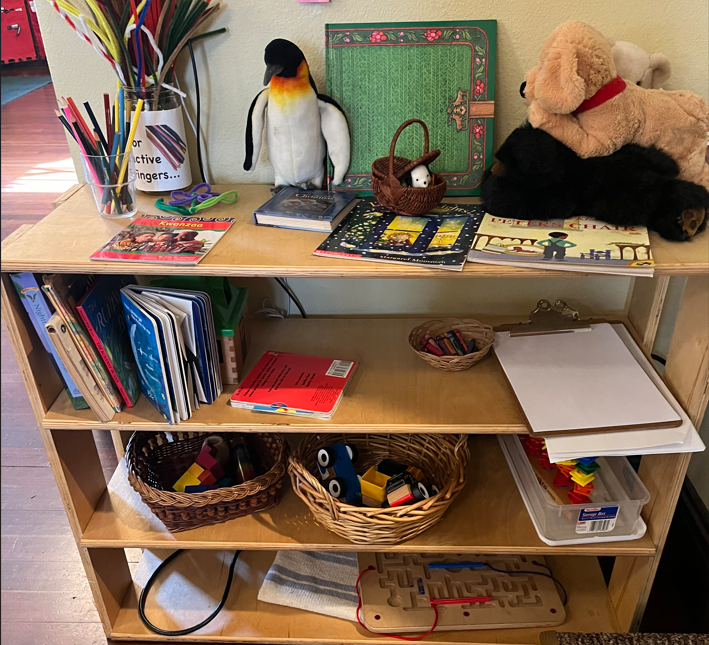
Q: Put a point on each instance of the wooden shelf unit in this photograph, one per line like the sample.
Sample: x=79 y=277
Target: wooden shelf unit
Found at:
x=489 y=516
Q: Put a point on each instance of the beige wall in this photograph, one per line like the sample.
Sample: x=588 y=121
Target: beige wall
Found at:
x=677 y=28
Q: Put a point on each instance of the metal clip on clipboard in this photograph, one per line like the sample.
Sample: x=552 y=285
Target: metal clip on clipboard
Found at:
x=558 y=318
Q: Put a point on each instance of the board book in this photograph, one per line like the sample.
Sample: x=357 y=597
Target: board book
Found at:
x=439 y=239
x=581 y=382
x=165 y=239
x=307 y=210
x=40 y=311
x=578 y=244
x=101 y=312
x=443 y=73
x=304 y=386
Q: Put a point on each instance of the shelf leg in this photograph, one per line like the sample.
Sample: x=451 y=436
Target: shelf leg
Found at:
x=110 y=579
x=646 y=307
x=687 y=374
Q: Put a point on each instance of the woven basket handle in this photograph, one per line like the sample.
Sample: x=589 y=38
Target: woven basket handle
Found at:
x=404 y=125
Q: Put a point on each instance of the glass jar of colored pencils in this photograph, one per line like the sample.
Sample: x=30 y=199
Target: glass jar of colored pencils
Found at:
x=160 y=146
x=114 y=194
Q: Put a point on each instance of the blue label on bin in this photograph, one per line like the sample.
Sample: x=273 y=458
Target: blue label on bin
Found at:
x=596 y=519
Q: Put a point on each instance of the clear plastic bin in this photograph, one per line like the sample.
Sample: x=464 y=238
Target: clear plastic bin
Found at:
x=613 y=514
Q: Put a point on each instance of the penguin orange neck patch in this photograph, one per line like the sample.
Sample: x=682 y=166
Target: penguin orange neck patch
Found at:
x=284 y=89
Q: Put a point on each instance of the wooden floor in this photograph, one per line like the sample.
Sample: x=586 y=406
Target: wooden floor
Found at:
x=45 y=595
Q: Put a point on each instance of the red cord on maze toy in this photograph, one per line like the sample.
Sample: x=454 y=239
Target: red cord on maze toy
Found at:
x=434 y=605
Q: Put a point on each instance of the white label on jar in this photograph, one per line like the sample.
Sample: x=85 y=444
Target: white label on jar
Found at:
x=160 y=151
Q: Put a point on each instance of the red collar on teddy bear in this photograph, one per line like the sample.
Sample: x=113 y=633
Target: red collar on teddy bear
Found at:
x=606 y=93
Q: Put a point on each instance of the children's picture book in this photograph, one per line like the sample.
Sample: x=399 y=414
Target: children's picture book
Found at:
x=165 y=239
x=145 y=341
x=173 y=339
x=295 y=384
x=307 y=210
x=101 y=312
x=40 y=311
x=579 y=244
x=443 y=73
x=64 y=292
x=439 y=239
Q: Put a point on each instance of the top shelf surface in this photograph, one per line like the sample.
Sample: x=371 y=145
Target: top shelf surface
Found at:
x=63 y=241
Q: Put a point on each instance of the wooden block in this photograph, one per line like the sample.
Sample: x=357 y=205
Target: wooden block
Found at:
x=206 y=477
x=205 y=459
x=188 y=479
x=200 y=489
x=372 y=503
x=195 y=470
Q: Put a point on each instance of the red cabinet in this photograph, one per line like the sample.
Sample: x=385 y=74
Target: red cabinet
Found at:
x=19 y=30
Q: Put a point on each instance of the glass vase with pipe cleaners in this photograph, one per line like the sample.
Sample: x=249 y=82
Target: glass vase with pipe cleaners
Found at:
x=162 y=161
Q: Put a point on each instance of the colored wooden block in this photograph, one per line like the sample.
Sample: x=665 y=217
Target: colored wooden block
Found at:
x=205 y=459
x=217 y=471
x=401 y=496
x=200 y=489
x=206 y=477
x=372 y=503
x=195 y=469
x=188 y=479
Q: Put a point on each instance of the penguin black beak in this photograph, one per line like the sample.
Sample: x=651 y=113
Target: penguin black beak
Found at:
x=522 y=88
x=271 y=70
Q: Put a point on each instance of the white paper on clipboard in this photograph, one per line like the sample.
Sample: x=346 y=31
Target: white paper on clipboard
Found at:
x=580 y=381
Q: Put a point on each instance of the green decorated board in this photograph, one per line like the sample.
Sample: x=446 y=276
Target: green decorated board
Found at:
x=440 y=72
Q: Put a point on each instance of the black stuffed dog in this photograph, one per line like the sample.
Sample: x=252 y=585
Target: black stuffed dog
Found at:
x=537 y=177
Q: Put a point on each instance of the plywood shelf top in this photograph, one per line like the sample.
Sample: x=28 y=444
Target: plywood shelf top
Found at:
x=393 y=390
x=64 y=240
x=489 y=516
x=186 y=599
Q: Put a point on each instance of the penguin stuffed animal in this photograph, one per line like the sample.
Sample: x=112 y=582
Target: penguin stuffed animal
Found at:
x=300 y=123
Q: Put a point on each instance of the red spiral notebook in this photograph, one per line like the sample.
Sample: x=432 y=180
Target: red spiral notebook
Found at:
x=295 y=384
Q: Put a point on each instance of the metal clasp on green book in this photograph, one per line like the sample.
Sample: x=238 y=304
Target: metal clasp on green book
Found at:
x=558 y=318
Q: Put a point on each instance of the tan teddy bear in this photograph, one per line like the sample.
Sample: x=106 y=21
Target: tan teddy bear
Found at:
x=575 y=95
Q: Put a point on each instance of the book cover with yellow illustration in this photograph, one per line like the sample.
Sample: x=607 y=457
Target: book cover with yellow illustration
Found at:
x=440 y=239
x=579 y=244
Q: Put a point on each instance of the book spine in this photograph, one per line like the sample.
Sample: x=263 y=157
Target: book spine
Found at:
x=104 y=356
x=86 y=349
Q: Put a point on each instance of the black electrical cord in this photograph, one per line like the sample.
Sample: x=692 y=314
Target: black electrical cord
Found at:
x=199 y=127
x=188 y=630
x=292 y=296
x=660 y=359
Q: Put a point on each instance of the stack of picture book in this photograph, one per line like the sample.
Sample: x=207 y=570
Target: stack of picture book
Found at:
x=89 y=335
x=306 y=210
x=439 y=239
x=174 y=342
x=579 y=244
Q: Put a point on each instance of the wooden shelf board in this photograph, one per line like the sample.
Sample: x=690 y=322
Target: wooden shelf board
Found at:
x=183 y=600
x=393 y=390
x=489 y=516
x=64 y=240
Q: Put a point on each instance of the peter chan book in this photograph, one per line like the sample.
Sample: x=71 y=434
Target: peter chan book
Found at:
x=165 y=239
x=295 y=384
x=439 y=239
x=578 y=244
x=308 y=210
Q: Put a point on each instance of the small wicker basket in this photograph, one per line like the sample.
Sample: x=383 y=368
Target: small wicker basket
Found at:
x=387 y=173
x=155 y=462
x=442 y=458
x=469 y=329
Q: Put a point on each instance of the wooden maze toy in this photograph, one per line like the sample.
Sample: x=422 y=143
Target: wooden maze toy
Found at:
x=399 y=592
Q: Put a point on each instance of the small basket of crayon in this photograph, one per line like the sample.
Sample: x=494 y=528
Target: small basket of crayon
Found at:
x=451 y=344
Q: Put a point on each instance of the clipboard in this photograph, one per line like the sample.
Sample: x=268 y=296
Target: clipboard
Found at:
x=577 y=377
